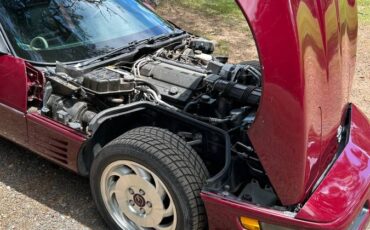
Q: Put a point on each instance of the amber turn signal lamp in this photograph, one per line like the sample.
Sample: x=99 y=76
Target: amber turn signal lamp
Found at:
x=249 y=223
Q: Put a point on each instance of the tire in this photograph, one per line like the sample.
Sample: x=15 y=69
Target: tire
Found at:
x=151 y=158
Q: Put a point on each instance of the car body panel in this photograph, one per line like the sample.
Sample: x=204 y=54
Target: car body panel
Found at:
x=39 y=134
x=307 y=50
x=347 y=186
x=13 y=99
x=11 y=118
x=13 y=87
x=54 y=141
x=335 y=204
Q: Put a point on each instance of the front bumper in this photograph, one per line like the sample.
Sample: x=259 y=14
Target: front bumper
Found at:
x=341 y=201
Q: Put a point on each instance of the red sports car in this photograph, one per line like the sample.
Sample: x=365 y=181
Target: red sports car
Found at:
x=173 y=136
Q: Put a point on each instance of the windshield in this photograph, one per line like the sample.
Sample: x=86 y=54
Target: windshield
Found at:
x=73 y=30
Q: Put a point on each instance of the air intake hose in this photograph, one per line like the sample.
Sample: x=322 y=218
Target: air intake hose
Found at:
x=244 y=94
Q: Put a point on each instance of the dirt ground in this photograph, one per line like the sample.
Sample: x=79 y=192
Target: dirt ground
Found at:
x=35 y=194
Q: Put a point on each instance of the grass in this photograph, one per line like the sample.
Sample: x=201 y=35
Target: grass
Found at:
x=364 y=10
x=229 y=10
x=225 y=8
x=223 y=47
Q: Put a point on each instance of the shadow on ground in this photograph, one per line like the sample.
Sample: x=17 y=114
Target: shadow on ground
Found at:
x=48 y=184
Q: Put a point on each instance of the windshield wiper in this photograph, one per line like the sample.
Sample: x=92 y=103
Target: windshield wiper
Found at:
x=131 y=46
x=111 y=53
x=164 y=37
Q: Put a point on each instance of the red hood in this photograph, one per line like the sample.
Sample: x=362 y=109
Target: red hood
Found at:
x=307 y=49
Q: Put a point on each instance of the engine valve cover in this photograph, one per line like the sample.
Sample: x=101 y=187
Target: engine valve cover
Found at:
x=176 y=83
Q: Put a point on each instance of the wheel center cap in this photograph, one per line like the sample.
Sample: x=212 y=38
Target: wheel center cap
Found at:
x=139 y=200
x=153 y=215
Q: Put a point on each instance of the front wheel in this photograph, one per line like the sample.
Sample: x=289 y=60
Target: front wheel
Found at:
x=149 y=178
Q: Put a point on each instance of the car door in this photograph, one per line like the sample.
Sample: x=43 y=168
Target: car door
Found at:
x=20 y=91
x=13 y=96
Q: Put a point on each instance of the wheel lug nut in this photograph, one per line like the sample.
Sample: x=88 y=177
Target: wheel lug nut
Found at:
x=141 y=192
x=131 y=191
x=132 y=203
x=149 y=204
x=142 y=211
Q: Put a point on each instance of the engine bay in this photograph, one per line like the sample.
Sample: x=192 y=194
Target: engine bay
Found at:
x=186 y=78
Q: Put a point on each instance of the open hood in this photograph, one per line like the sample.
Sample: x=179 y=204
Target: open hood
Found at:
x=308 y=51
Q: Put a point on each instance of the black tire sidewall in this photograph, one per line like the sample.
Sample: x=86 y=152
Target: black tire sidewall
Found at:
x=117 y=152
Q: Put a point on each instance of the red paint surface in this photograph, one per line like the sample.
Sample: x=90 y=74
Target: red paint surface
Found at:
x=13 y=125
x=13 y=99
x=13 y=83
x=334 y=204
x=307 y=50
x=54 y=141
x=347 y=187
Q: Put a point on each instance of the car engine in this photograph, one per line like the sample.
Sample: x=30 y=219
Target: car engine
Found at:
x=185 y=77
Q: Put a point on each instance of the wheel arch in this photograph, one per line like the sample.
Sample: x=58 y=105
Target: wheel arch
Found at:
x=112 y=123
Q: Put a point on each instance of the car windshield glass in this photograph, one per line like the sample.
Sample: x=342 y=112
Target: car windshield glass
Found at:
x=73 y=30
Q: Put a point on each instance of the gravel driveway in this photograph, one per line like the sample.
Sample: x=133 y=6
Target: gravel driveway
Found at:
x=35 y=194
